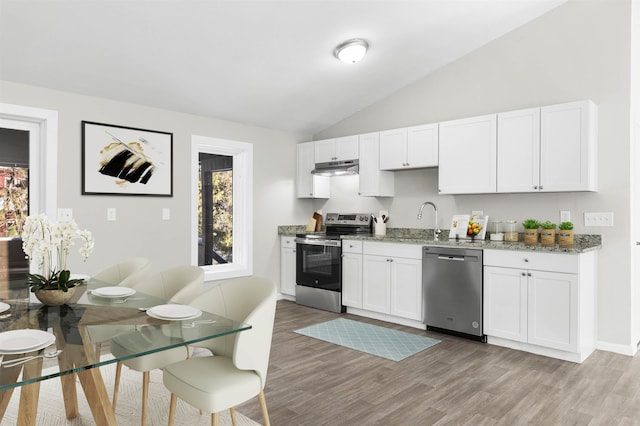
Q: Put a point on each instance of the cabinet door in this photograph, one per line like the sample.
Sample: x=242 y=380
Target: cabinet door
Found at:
x=352 y=280
x=406 y=288
x=422 y=146
x=568 y=147
x=505 y=303
x=553 y=310
x=347 y=148
x=467 y=162
x=393 y=149
x=375 y=284
x=519 y=151
x=325 y=150
x=372 y=181
x=308 y=185
x=288 y=266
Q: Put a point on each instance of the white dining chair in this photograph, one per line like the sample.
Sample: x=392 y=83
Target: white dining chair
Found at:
x=237 y=369
x=176 y=285
x=125 y=273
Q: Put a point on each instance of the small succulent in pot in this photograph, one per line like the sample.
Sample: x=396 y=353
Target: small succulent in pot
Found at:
x=530 y=224
x=548 y=225
x=566 y=226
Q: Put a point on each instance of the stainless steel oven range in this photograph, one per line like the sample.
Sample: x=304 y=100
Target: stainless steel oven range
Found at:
x=319 y=260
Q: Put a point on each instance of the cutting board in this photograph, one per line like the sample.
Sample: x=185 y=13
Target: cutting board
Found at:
x=311 y=225
x=318 y=219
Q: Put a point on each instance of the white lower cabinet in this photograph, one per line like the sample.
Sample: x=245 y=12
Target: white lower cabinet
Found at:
x=541 y=302
x=288 y=265
x=392 y=279
x=352 y=273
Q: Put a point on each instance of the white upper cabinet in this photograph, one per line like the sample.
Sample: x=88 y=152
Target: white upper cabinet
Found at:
x=548 y=149
x=308 y=185
x=568 y=145
x=467 y=162
x=519 y=151
x=337 y=149
x=373 y=182
x=409 y=148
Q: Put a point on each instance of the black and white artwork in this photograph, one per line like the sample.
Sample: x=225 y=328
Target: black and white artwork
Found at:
x=118 y=160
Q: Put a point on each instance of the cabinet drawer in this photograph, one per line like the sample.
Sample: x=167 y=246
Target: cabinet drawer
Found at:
x=552 y=262
x=287 y=242
x=351 y=246
x=409 y=251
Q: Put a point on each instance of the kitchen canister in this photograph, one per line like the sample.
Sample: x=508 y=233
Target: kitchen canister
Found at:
x=380 y=229
x=510 y=231
x=495 y=231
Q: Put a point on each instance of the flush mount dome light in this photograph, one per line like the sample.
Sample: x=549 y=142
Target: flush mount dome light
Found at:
x=351 y=51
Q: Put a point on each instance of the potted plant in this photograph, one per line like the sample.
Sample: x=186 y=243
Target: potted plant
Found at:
x=47 y=245
x=530 y=231
x=548 y=234
x=565 y=235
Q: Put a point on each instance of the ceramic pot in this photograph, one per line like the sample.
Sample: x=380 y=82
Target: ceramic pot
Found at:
x=54 y=297
x=530 y=237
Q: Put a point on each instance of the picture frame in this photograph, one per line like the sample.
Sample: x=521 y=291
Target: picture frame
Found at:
x=121 y=160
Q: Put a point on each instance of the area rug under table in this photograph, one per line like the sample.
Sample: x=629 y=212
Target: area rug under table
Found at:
x=372 y=339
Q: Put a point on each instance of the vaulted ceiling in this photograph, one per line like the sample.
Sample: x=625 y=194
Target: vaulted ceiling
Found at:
x=262 y=62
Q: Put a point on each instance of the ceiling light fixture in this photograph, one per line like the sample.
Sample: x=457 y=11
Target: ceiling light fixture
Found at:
x=351 y=51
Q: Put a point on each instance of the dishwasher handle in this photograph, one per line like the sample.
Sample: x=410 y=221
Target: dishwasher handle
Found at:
x=451 y=257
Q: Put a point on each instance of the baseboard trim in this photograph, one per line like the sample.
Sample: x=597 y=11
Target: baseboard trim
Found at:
x=629 y=350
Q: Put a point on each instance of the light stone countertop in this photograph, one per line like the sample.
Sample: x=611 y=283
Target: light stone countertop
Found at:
x=582 y=242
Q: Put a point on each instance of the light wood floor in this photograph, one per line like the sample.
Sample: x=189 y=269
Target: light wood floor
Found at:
x=457 y=381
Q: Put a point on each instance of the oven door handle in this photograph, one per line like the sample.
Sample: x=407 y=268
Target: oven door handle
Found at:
x=331 y=243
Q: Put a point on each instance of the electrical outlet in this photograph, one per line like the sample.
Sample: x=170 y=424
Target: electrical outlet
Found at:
x=565 y=216
x=166 y=213
x=65 y=215
x=111 y=214
x=598 y=219
x=319 y=211
x=477 y=213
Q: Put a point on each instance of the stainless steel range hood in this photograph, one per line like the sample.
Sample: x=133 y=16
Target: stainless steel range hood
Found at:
x=336 y=168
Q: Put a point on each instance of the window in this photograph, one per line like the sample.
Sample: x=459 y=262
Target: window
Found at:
x=222 y=208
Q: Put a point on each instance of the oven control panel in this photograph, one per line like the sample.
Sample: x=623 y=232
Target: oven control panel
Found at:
x=353 y=219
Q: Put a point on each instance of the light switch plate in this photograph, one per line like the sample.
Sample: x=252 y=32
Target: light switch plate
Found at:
x=477 y=213
x=598 y=219
x=65 y=215
x=111 y=214
x=166 y=213
x=565 y=216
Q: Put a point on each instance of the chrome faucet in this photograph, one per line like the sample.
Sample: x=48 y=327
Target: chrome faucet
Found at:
x=436 y=230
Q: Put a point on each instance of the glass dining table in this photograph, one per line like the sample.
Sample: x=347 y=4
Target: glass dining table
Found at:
x=73 y=334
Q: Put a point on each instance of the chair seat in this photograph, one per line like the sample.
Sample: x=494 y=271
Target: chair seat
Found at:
x=222 y=386
x=123 y=345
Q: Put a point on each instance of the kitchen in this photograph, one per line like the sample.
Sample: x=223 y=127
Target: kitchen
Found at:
x=510 y=73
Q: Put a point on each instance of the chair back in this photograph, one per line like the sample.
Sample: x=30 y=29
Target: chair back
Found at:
x=251 y=300
x=125 y=273
x=177 y=285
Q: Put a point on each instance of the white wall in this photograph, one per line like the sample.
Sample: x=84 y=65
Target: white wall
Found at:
x=581 y=50
x=139 y=230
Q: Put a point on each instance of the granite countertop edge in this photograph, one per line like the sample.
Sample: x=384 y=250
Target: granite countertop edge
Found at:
x=582 y=242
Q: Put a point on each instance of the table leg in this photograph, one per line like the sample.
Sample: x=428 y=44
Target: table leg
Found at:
x=28 y=409
x=97 y=397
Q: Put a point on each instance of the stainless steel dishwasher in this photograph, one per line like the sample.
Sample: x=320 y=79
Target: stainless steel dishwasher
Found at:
x=452 y=290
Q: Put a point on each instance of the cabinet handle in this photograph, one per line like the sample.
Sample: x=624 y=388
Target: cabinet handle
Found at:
x=526 y=260
x=528 y=274
x=523 y=274
x=535 y=187
x=541 y=188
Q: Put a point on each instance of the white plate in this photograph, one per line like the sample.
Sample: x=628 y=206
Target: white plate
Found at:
x=4 y=307
x=80 y=277
x=174 y=312
x=20 y=341
x=114 y=292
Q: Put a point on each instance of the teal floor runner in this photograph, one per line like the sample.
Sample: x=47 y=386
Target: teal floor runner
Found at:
x=372 y=339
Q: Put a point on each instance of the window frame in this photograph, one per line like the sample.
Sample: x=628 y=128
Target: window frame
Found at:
x=242 y=153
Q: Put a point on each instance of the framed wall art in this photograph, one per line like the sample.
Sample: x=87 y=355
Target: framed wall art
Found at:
x=119 y=160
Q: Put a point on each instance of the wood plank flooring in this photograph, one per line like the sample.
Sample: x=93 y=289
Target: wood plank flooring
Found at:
x=457 y=381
